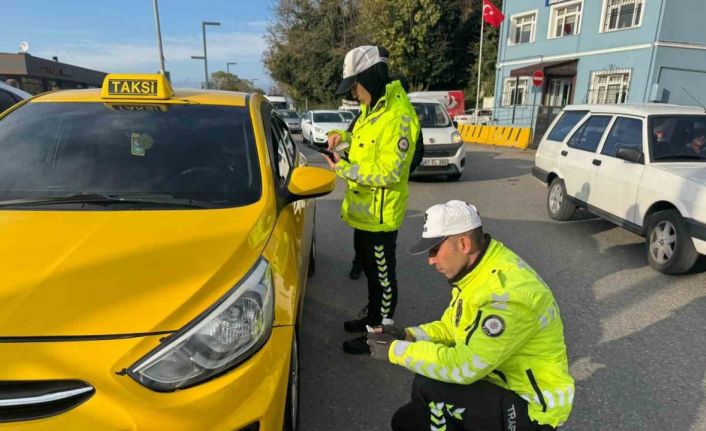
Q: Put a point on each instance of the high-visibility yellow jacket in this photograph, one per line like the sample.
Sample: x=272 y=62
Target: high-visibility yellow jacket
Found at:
x=381 y=150
x=502 y=326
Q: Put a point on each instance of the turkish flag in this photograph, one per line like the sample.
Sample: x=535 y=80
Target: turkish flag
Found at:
x=491 y=14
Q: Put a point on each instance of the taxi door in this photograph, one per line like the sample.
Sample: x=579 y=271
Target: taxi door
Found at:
x=292 y=234
x=614 y=182
x=577 y=155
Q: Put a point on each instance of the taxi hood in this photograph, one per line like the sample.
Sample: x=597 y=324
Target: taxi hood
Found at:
x=78 y=273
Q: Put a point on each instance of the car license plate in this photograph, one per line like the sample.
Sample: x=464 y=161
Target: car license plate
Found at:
x=435 y=162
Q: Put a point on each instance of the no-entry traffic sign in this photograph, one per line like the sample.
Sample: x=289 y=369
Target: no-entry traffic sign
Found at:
x=538 y=78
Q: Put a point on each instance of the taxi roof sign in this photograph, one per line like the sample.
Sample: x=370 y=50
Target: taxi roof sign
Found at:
x=136 y=86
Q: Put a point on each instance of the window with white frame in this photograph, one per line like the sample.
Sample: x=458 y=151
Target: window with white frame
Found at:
x=515 y=91
x=622 y=14
x=565 y=19
x=522 y=28
x=609 y=86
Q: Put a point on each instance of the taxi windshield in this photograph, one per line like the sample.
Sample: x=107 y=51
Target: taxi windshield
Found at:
x=192 y=152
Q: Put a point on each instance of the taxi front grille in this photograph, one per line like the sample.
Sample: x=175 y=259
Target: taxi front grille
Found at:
x=36 y=399
x=441 y=150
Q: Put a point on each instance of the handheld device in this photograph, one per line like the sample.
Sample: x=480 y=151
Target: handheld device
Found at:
x=328 y=153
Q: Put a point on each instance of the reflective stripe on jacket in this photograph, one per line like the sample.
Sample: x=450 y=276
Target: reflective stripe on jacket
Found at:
x=503 y=326
x=381 y=151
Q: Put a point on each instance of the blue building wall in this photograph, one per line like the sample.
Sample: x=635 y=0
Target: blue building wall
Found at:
x=658 y=69
x=684 y=21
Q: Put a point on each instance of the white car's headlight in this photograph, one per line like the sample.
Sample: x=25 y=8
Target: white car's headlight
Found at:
x=223 y=336
x=319 y=130
x=456 y=138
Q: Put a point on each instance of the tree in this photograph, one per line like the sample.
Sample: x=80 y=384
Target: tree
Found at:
x=228 y=81
x=429 y=40
x=306 y=45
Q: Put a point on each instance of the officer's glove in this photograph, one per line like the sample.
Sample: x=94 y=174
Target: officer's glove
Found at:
x=380 y=345
x=398 y=333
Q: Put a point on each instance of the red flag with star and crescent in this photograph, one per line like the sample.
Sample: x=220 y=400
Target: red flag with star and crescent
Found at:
x=491 y=14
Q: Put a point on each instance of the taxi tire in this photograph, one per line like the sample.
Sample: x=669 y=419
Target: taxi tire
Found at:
x=556 y=194
x=684 y=255
x=312 y=256
x=291 y=407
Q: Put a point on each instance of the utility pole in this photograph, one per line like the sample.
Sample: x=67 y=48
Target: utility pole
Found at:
x=159 y=37
x=228 y=66
x=204 y=57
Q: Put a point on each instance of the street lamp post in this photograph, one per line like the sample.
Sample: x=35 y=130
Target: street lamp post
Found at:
x=228 y=66
x=159 y=37
x=205 y=55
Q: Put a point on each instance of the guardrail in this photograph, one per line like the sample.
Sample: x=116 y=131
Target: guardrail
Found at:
x=504 y=136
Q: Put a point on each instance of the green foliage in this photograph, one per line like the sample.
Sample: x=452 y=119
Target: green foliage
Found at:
x=433 y=43
x=429 y=40
x=306 y=46
x=227 y=81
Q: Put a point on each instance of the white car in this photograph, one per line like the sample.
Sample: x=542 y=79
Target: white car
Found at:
x=485 y=116
x=293 y=121
x=10 y=95
x=444 y=152
x=642 y=167
x=315 y=125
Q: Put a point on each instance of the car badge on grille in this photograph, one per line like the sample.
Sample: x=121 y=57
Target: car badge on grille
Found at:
x=431 y=140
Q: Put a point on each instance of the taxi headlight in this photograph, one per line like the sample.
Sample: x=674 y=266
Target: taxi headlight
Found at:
x=456 y=138
x=225 y=335
x=319 y=130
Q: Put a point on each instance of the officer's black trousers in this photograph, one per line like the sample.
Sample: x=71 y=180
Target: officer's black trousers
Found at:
x=376 y=252
x=481 y=406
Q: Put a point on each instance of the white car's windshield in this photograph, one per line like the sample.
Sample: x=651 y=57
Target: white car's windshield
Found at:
x=431 y=115
x=327 y=117
x=675 y=138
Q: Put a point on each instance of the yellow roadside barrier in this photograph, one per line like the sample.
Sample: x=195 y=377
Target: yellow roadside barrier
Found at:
x=504 y=136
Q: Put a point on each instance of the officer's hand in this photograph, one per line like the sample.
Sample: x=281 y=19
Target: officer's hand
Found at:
x=398 y=333
x=380 y=345
x=333 y=140
x=332 y=163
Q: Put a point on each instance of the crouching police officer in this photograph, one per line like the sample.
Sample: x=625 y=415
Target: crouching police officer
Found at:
x=381 y=148
x=496 y=360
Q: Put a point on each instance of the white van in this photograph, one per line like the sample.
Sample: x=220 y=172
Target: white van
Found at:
x=444 y=152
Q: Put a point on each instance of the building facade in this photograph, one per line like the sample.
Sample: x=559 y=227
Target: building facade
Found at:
x=37 y=75
x=598 y=51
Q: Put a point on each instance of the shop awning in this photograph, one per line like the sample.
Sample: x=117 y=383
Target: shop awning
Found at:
x=553 y=68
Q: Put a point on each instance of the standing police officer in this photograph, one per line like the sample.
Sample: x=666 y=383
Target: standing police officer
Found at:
x=496 y=360
x=377 y=169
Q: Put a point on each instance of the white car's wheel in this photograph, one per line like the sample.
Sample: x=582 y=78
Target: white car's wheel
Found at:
x=558 y=205
x=669 y=247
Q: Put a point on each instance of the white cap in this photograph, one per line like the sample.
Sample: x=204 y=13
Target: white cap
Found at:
x=444 y=220
x=359 y=60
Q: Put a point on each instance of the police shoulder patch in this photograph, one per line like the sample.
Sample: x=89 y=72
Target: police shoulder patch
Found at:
x=493 y=325
x=403 y=144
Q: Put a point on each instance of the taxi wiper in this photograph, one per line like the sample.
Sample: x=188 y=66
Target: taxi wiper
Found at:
x=101 y=198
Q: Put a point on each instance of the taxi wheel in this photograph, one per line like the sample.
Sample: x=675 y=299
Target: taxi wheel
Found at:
x=558 y=205
x=312 y=256
x=669 y=246
x=291 y=409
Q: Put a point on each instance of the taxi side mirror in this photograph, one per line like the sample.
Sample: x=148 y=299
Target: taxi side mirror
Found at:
x=310 y=182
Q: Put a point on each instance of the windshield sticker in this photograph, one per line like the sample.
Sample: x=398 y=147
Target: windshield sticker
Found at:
x=140 y=143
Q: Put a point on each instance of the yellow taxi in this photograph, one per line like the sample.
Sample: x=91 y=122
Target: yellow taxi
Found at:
x=155 y=251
